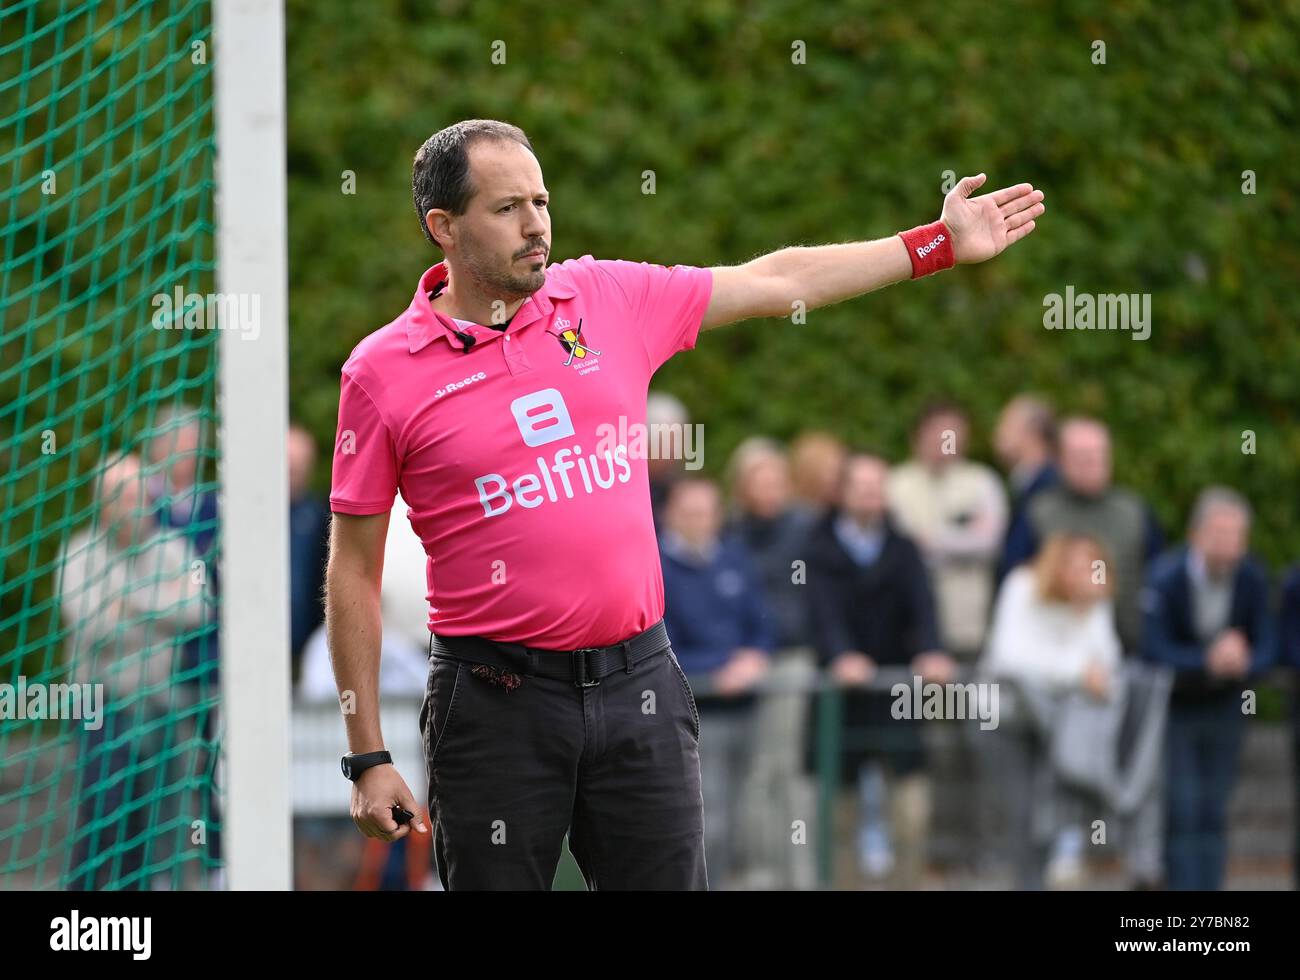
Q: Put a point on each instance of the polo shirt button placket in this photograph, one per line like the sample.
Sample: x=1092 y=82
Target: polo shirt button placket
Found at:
x=516 y=360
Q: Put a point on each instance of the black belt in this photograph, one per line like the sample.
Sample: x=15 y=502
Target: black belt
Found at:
x=585 y=667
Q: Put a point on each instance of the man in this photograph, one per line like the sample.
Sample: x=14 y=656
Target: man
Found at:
x=1288 y=655
x=308 y=539
x=184 y=498
x=1087 y=502
x=715 y=611
x=175 y=488
x=1207 y=617
x=956 y=511
x=1025 y=443
x=495 y=399
x=872 y=606
x=127 y=599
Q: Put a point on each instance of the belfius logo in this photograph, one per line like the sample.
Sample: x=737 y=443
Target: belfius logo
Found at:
x=543 y=418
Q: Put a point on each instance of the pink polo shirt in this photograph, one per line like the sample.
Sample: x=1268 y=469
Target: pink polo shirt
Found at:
x=519 y=458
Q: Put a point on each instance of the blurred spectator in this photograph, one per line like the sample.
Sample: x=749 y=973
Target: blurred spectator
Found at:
x=665 y=417
x=775 y=532
x=1086 y=502
x=403 y=668
x=719 y=631
x=175 y=452
x=327 y=849
x=1025 y=443
x=956 y=512
x=1053 y=633
x=1207 y=616
x=404 y=611
x=308 y=544
x=871 y=605
x=404 y=594
x=127 y=596
x=1289 y=623
x=1288 y=646
x=816 y=461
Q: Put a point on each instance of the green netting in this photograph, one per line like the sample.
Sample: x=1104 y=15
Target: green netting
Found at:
x=108 y=578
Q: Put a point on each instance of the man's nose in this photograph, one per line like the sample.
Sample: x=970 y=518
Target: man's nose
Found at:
x=534 y=223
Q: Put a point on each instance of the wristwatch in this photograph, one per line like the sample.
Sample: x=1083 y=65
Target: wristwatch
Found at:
x=355 y=765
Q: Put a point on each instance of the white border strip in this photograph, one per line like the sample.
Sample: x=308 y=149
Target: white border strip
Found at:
x=252 y=262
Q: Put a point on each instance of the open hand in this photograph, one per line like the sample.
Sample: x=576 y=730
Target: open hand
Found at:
x=983 y=226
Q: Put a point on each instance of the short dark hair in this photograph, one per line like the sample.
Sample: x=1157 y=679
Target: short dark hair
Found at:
x=935 y=408
x=440 y=174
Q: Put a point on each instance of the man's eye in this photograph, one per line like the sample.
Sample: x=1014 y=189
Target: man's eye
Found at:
x=505 y=209
x=540 y=204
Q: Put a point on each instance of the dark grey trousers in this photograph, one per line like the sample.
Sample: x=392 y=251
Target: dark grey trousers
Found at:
x=616 y=766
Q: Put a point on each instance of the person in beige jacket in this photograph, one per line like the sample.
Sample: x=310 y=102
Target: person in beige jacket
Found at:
x=956 y=511
x=128 y=593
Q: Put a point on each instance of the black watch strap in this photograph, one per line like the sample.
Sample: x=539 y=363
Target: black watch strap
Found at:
x=355 y=765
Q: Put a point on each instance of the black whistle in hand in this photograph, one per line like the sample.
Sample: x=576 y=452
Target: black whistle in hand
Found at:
x=401 y=814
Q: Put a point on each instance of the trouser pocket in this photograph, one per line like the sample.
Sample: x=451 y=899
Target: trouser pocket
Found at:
x=438 y=709
x=690 y=696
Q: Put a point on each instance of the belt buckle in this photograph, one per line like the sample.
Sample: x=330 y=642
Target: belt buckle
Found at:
x=581 y=674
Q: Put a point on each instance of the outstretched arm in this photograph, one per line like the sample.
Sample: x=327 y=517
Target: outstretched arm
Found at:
x=980 y=228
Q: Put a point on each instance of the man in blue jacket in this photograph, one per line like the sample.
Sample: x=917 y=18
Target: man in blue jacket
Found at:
x=1025 y=444
x=1288 y=647
x=714 y=609
x=1206 y=609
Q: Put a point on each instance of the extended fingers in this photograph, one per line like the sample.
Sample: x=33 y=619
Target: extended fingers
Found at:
x=1010 y=193
x=1015 y=234
x=1028 y=214
x=1021 y=203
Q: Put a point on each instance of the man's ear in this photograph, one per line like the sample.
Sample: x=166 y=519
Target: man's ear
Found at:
x=438 y=222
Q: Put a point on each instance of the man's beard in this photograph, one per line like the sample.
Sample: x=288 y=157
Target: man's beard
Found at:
x=502 y=282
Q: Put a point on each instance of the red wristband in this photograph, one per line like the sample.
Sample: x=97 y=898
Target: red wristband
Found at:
x=929 y=247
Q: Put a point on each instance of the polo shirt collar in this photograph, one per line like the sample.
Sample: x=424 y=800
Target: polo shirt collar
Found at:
x=424 y=324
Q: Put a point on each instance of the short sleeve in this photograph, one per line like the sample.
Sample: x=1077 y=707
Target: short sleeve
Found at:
x=667 y=304
x=364 y=477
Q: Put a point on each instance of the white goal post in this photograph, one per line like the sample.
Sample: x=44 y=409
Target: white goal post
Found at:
x=252 y=261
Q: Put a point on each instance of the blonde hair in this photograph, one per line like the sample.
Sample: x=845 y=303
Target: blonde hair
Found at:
x=808 y=452
x=751 y=450
x=1049 y=566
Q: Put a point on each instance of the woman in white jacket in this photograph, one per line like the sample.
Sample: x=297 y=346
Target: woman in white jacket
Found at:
x=1054 y=633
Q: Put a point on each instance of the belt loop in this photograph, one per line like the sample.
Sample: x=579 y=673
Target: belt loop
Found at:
x=627 y=655
x=531 y=658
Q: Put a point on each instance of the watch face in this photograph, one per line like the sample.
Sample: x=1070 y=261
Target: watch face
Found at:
x=347 y=766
